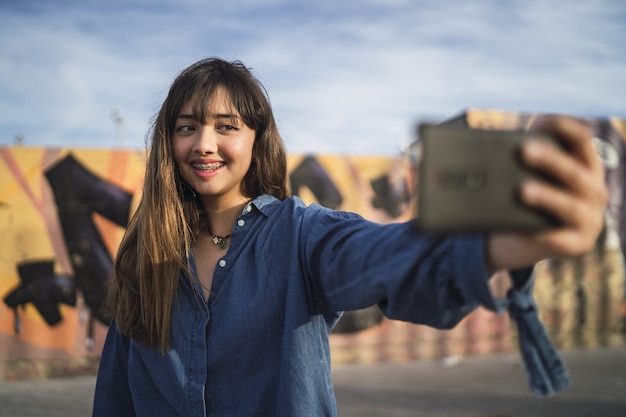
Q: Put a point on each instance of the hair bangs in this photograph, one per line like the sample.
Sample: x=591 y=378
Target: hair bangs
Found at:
x=200 y=89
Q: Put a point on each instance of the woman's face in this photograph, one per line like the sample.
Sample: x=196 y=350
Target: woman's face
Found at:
x=213 y=155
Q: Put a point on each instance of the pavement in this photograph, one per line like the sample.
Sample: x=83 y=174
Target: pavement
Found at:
x=493 y=385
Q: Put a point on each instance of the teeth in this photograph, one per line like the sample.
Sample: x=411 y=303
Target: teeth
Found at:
x=208 y=167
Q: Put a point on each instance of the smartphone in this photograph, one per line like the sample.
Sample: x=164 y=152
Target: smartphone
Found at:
x=468 y=181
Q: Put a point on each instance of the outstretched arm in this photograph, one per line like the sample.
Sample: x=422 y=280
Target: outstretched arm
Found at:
x=578 y=201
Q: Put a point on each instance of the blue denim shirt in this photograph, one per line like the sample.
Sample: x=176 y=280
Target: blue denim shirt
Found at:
x=260 y=345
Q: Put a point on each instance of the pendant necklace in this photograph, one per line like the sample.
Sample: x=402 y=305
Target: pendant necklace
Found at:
x=219 y=240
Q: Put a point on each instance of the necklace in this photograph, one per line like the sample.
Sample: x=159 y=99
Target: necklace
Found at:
x=219 y=240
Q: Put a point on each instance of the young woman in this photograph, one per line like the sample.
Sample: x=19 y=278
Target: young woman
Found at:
x=225 y=288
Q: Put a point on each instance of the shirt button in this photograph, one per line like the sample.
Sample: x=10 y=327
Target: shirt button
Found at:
x=222 y=263
x=249 y=208
x=241 y=222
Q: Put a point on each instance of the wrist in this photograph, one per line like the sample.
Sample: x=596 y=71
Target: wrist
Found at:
x=510 y=251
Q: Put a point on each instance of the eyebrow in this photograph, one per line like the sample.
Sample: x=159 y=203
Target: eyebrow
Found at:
x=213 y=116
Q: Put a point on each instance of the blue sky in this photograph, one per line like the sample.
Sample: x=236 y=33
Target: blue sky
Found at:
x=348 y=77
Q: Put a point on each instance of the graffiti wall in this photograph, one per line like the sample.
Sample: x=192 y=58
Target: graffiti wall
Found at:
x=62 y=215
x=63 y=212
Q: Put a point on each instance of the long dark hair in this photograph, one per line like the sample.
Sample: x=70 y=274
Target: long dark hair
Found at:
x=162 y=231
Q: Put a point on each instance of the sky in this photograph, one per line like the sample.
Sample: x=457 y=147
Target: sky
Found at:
x=343 y=76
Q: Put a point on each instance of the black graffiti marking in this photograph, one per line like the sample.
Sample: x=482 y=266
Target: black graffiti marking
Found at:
x=41 y=287
x=388 y=196
x=311 y=174
x=78 y=194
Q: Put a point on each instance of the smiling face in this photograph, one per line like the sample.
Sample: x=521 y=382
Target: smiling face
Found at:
x=213 y=155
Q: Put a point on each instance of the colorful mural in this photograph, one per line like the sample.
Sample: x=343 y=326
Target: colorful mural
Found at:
x=63 y=213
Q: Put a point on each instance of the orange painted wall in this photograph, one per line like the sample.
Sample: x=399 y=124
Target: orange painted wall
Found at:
x=30 y=231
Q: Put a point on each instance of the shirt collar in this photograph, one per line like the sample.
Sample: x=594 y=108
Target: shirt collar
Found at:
x=263 y=202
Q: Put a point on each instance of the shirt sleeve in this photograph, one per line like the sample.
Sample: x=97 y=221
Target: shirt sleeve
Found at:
x=112 y=395
x=413 y=277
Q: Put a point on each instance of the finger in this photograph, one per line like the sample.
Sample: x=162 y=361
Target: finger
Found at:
x=554 y=200
x=575 y=136
x=581 y=216
x=560 y=166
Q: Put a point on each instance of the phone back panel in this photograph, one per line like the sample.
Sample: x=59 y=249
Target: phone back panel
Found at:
x=469 y=180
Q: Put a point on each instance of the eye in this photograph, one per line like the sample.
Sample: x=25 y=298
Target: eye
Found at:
x=185 y=128
x=227 y=128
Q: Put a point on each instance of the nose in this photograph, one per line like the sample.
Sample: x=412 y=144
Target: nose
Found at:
x=206 y=140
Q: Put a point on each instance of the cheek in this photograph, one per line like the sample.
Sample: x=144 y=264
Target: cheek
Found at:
x=180 y=153
x=239 y=150
x=246 y=155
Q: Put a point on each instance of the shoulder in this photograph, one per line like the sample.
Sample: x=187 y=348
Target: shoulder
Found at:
x=271 y=206
x=268 y=204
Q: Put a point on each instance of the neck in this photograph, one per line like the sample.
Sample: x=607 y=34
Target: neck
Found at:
x=221 y=217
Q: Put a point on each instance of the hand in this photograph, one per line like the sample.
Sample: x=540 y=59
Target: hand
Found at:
x=578 y=201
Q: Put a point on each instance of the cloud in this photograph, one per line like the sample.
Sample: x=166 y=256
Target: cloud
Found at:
x=343 y=77
x=366 y=90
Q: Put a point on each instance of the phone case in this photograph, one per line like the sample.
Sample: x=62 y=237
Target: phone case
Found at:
x=469 y=179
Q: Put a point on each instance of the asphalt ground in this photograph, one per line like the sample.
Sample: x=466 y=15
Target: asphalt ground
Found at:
x=494 y=385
